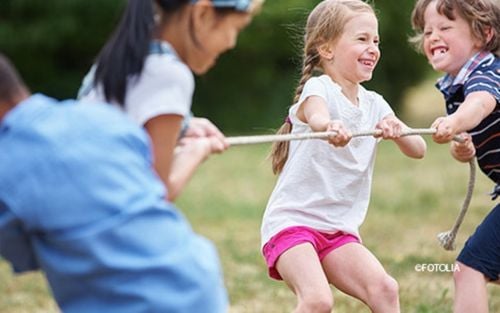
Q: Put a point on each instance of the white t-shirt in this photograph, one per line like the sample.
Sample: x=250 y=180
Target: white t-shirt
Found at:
x=165 y=86
x=324 y=187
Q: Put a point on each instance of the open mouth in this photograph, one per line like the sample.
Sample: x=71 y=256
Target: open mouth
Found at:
x=367 y=62
x=438 y=51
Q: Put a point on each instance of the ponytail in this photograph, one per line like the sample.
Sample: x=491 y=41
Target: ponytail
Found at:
x=279 y=150
x=124 y=53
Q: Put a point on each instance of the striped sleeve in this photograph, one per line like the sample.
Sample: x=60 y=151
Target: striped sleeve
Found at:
x=486 y=78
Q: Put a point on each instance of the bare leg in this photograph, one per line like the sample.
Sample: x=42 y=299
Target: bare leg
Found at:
x=471 y=294
x=301 y=270
x=354 y=270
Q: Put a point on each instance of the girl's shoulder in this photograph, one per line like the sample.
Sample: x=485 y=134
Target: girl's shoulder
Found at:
x=371 y=96
x=325 y=81
x=321 y=85
x=167 y=67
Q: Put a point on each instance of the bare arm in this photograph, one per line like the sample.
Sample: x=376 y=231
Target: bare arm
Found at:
x=391 y=128
x=314 y=112
x=176 y=168
x=469 y=114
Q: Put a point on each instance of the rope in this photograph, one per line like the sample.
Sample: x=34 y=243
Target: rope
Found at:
x=446 y=239
x=249 y=140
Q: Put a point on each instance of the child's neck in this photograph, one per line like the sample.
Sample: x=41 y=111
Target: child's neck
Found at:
x=351 y=93
x=349 y=89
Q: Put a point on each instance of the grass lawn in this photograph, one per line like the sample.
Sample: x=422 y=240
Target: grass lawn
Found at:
x=411 y=202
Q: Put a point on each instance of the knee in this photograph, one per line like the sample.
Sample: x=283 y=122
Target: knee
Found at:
x=316 y=302
x=386 y=290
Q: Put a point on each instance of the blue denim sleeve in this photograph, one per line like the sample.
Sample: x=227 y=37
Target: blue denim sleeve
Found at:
x=15 y=243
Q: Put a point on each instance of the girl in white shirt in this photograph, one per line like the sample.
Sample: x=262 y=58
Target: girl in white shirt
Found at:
x=146 y=68
x=310 y=234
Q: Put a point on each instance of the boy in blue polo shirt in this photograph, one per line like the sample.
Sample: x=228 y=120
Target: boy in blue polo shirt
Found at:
x=79 y=200
x=462 y=39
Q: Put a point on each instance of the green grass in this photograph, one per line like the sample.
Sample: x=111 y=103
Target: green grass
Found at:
x=412 y=200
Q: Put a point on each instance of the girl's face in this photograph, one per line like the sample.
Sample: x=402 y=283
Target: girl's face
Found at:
x=356 y=53
x=218 y=34
x=447 y=44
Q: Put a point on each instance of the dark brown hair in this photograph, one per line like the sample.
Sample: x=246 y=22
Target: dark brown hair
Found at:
x=11 y=84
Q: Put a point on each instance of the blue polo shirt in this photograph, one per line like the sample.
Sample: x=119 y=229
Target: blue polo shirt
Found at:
x=480 y=73
x=79 y=200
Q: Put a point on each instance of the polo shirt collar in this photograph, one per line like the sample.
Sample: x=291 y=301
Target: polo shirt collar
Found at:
x=470 y=66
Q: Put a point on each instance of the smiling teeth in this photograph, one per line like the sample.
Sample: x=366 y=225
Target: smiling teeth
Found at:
x=440 y=51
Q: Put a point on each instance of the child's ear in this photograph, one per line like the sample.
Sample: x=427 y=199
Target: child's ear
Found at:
x=488 y=31
x=325 y=50
x=203 y=14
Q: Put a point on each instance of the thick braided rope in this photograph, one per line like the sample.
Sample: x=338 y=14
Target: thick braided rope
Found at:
x=446 y=239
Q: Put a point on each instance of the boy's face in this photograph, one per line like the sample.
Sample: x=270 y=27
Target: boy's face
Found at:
x=448 y=44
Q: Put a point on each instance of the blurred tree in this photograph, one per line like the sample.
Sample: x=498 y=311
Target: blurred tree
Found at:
x=252 y=86
x=249 y=90
x=54 y=42
x=400 y=66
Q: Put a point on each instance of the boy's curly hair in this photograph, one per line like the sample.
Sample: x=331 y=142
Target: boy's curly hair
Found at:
x=481 y=15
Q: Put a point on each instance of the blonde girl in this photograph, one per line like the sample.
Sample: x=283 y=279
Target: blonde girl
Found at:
x=310 y=229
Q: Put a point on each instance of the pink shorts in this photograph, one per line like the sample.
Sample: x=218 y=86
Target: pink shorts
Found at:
x=290 y=237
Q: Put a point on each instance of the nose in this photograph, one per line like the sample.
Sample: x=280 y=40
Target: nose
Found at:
x=373 y=49
x=433 y=36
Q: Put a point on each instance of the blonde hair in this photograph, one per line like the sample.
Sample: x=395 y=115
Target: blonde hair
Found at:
x=481 y=15
x=325 y=24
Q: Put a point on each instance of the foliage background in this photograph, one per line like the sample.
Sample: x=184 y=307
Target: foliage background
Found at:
x=249 y=90
x=54 y=42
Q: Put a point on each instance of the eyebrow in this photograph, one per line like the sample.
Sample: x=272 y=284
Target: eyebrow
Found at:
x=358 y=33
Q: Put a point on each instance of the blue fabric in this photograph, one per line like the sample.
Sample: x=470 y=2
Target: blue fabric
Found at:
x=482 y=249
x=238 y=5
x=79 y=199
x=480 y=73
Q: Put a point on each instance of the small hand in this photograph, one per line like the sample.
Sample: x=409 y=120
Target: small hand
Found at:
x=202 y=127
x=203 y=145
x=445 y=130
x=343 y=135
x=463 y=151
x=390 y=128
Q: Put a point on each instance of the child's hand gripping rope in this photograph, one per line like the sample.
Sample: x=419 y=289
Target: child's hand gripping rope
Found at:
x=446 y=239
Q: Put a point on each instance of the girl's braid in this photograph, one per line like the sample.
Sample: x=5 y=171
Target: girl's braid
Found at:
x=311 y=61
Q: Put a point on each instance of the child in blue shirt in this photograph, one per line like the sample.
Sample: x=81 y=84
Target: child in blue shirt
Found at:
x=462 y=39
x=79 y=200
